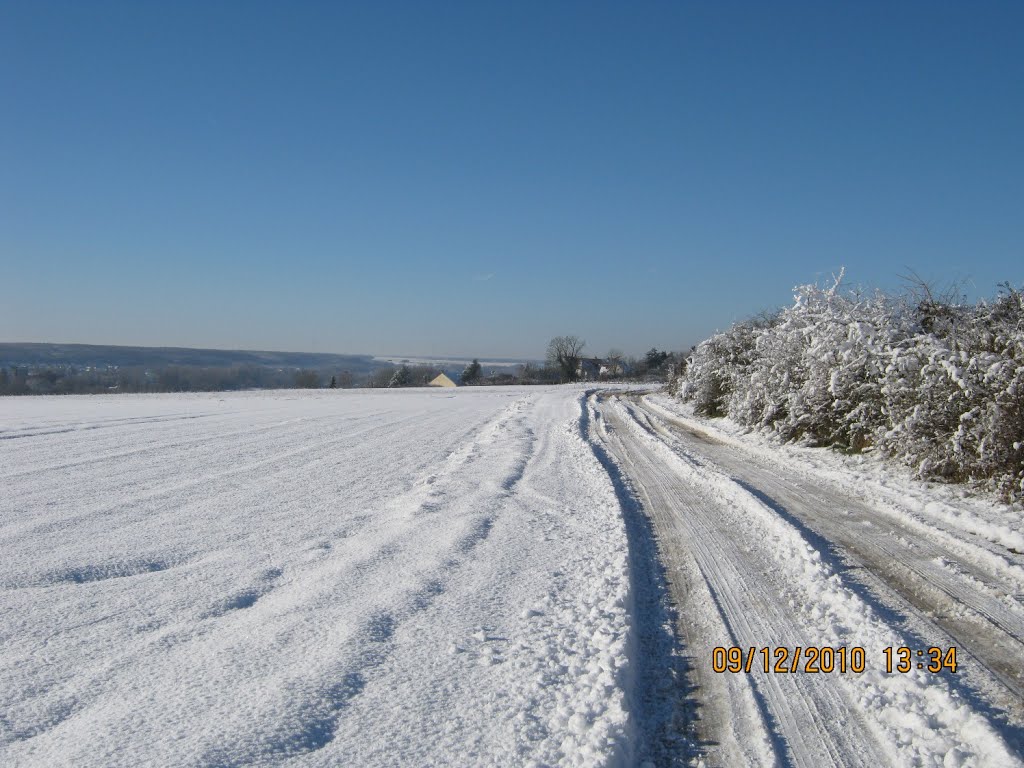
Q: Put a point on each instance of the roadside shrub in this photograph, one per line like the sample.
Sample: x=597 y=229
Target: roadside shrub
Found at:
x=714 y=367
x=934 y=384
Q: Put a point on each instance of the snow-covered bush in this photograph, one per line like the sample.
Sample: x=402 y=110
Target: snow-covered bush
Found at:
x=961 y=414
x=936 y=385
x=714 y=366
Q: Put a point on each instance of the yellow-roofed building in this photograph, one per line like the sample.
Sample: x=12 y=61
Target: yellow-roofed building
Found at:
x=442 y=381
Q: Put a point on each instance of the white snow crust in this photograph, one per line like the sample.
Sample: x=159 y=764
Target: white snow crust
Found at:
x=424 y=577
x=310 y=578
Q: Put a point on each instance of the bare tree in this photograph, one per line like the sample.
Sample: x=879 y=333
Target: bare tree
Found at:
x=381 y=377
x=615 y=359
x=940 y=310
x=564 y=353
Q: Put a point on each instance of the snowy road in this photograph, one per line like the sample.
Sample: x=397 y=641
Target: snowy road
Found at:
x=312 y=578
x=763 y=551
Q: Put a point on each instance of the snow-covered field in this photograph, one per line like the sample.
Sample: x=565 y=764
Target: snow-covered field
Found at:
x=472 y=577
x=319 y=578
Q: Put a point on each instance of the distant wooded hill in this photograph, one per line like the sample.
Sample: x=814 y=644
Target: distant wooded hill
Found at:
x=93 y=355
x=27 y=369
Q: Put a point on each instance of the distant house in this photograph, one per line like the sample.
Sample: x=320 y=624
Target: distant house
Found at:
x=589 y=368
x=613 y=367
x=442 y=381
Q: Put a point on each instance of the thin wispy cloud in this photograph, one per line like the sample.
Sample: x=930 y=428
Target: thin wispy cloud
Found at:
x=483 y=278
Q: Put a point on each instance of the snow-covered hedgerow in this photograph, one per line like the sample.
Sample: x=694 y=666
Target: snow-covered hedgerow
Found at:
x=936 y=385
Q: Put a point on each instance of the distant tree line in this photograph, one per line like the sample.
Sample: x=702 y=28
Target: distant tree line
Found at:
x=565 y=362
x=68 y=380
x=473 y=374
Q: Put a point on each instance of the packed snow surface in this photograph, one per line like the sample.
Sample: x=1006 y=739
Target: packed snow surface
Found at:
x=313 y=578
x=771 y=587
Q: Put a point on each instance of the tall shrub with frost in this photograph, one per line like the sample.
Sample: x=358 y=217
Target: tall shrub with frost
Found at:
x=815 y=372
x=873 y=325
x=716 y=366
x=935 y=384
x=961 y=415
x=789 y=382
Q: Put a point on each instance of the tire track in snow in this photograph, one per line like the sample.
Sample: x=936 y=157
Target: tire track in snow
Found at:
x=907 y=569
x=551 y=648
x=665 y=720
x=798 y=715
x=225 y=660
x=283 y=463
x=371 y=642
x=308 y=457
x=159 y=446
x=753 y=582
x=106 y=424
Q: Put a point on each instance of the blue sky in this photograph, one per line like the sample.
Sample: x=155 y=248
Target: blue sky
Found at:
x=474 y=178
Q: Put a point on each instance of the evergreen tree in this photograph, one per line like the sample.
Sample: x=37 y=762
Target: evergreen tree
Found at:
x=655 y=359
x=471 y=374
x=401 y=377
